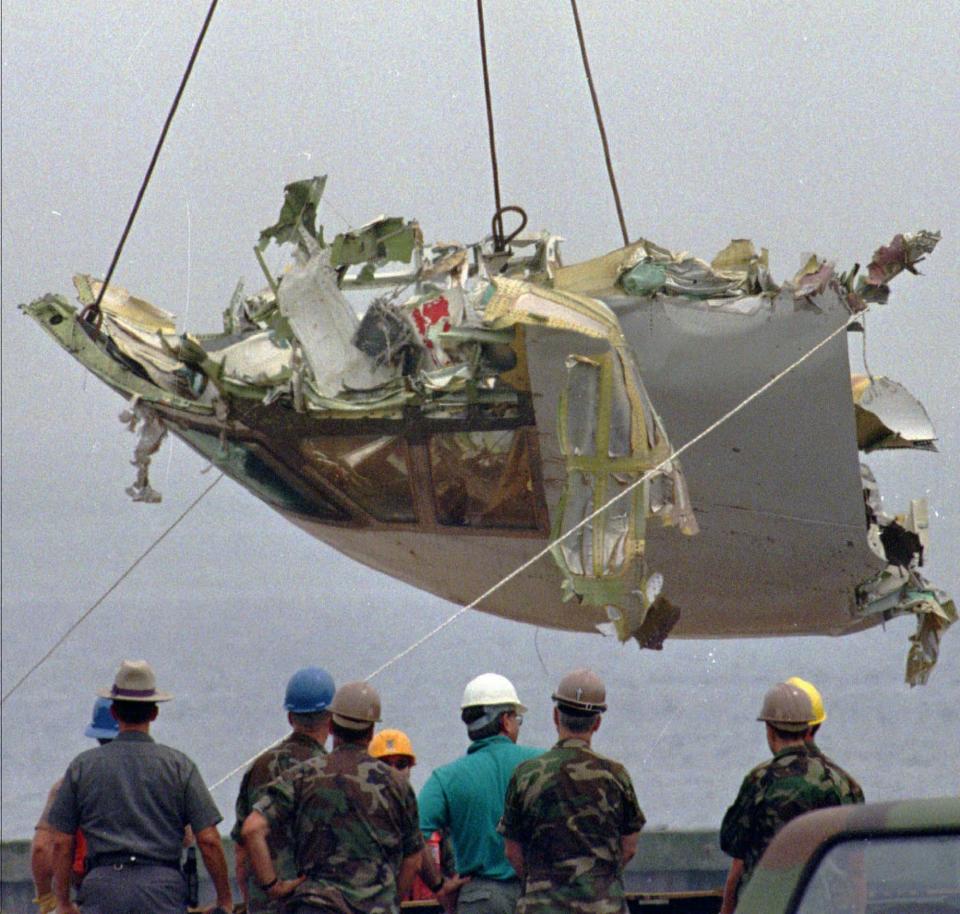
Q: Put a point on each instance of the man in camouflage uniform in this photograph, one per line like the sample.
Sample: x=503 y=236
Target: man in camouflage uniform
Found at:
x=356 y=838
x=796 y=780
x=307 y=699
x=571 y=818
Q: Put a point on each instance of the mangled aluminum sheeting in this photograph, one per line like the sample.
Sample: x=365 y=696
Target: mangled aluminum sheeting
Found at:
x=900 y=588
x=610 y=436
x=889 y=416
x=737 y=270
x=324 y=323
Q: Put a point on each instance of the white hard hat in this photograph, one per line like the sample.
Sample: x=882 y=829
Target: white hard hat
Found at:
x=491 y=689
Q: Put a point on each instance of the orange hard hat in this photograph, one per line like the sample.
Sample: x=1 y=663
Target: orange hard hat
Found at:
x=391 y=742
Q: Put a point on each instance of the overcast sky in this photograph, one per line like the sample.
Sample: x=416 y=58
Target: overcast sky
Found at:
x=802 y=126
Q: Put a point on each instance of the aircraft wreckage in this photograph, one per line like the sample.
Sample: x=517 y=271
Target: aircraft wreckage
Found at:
x=490 y=399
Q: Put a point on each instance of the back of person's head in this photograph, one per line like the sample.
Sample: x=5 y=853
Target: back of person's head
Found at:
x=134 y=712
x=350 y=735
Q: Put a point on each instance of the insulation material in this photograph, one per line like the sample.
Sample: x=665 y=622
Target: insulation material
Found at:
x=152 y=433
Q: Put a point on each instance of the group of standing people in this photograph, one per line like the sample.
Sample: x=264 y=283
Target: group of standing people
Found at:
x=503 y=828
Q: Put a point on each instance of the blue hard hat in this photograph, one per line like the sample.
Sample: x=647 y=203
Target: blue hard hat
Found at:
x=310 y=689
x=102 y=725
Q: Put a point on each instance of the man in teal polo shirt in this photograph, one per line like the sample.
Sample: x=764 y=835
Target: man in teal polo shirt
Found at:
x=464 y=799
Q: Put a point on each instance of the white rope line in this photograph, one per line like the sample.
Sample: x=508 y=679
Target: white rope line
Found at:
x=110 y=590
x=546 y=549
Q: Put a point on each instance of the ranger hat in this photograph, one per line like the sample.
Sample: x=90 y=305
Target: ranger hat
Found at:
x=581 y=691
x=787 y=707
x=135 y=681
x=356 y=706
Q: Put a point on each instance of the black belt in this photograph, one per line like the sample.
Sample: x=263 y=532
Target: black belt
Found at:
x=121 y=860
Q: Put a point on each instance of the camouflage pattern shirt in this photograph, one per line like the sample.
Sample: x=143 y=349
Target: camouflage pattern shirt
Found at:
x=796 y=780
x=353 y=821
x=267 y=767
x=568 y=810
x=856 y=791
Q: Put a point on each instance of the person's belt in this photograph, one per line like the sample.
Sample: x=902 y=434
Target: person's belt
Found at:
x=121 y=859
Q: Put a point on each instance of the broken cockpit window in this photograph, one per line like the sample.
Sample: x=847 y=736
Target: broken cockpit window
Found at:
x=483 y=479
x=370 y=470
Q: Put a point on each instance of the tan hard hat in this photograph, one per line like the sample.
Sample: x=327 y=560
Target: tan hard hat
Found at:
x=581 y=690
x=356 y=705
x=787 y=707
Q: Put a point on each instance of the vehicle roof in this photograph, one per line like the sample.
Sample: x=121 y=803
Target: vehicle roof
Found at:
x=800 y=843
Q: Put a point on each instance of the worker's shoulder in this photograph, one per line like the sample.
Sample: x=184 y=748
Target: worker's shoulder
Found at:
x=280 y=757
x=756 y=774
x=838 y=770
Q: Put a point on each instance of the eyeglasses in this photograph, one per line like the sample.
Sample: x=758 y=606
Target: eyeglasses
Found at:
x=401 y=764
x=517 y=717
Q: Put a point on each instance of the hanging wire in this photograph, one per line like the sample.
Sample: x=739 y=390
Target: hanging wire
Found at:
x=498 y=242
x=583 y=522
x=92 y=312
x=603 y=132
x=110 y=590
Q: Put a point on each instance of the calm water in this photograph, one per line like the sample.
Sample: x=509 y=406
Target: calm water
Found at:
x=682 y=719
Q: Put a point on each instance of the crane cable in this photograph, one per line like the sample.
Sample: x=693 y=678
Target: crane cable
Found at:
x=92 y=312
x=603 y=132
x=489 y=101
x=499 y=241
x=582 y=523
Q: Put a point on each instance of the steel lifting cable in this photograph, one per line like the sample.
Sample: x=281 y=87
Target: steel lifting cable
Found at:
x=489 y=101
x=586 y=520
x=92 y=312
x=603 y=132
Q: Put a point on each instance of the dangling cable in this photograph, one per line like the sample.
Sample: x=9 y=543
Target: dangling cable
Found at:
x=92 y=312
x=498 y=240
x=603 y=132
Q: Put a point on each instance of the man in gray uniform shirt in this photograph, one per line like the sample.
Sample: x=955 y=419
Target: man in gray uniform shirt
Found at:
x=132 y=799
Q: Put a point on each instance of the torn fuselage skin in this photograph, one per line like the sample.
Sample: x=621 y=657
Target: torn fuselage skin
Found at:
x=430 y=418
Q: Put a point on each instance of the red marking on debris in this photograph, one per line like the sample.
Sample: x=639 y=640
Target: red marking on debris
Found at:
x=430 y=313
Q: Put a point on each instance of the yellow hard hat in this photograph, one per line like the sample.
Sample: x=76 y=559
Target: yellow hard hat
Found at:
x=391 y=742
x=816 y=699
